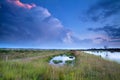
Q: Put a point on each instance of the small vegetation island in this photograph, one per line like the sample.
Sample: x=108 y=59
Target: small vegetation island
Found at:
x=33 y=64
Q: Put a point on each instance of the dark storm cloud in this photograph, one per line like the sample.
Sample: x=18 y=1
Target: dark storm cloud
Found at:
x=113 y=31
x=21 y=22
x=103 y=9
x=106 y=13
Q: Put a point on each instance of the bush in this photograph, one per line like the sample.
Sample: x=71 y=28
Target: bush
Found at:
x=57 y=61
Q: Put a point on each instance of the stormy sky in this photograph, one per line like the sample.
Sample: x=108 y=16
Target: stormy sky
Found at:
x=57 y=24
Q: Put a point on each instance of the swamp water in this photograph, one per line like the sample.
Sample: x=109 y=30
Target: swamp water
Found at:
x=113 y=56
x=61 y=60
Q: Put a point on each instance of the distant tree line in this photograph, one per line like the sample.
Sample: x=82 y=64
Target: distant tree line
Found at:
x=106 y=49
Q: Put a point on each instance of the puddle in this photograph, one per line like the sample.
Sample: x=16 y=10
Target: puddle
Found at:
x=62 y=60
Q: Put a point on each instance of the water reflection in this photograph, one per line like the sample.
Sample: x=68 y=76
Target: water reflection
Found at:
x=61 y=60
x=114 y=56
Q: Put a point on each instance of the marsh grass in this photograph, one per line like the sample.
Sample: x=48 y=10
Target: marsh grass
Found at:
x=69 y=61
x=87 y=67
x=57 y=61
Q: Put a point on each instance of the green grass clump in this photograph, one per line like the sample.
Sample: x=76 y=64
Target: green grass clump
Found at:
x=57 y=61
x=69 y=54
x=69 y=61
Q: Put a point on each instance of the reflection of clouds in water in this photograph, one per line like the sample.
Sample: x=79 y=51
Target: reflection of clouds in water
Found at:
x=62 y=58
x=115 y=56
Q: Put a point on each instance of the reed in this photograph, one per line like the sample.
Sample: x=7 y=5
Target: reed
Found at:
x=86 y=67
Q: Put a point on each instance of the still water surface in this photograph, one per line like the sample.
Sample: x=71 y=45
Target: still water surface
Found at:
x=62 y=58
x=114 y=56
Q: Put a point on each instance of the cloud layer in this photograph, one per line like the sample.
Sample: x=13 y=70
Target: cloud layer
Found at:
x=104 y=9
x=113 y=32
x=28 y=23
x=24 y=24
x=106 y=12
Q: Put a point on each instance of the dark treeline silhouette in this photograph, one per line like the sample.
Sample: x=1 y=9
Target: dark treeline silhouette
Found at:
x=7 y=50
x=108 y=49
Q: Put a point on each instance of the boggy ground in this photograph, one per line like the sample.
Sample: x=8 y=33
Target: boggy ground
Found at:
x=87 y=67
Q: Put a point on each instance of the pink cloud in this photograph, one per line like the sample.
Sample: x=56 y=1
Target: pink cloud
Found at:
x=20 y=4
x=38 y=25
